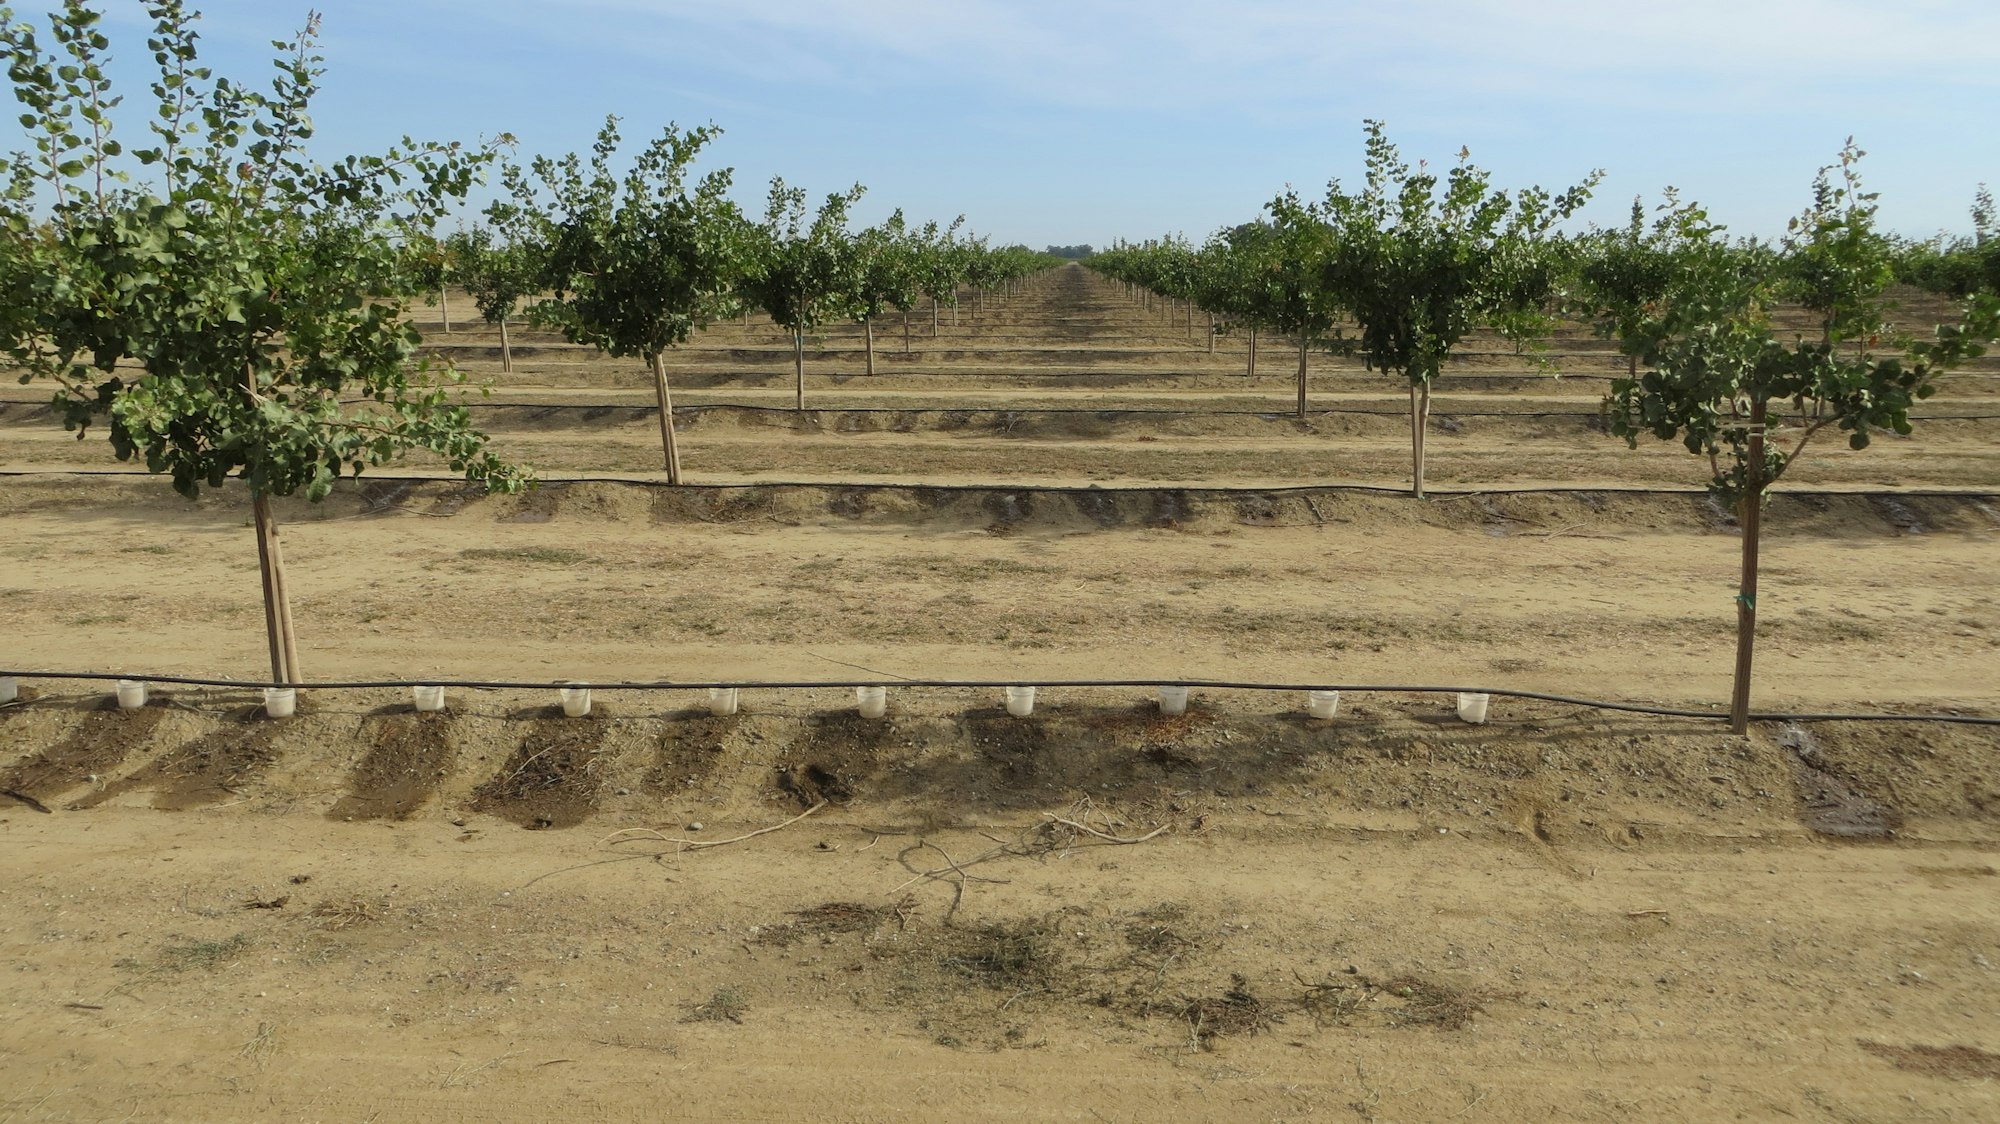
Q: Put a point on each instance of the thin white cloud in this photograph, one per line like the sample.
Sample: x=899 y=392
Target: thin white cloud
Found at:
x=1256 y=52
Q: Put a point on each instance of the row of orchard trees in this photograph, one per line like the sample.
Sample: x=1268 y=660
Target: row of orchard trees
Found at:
x=635 y=263
x=1401 y=270
x=223 y=305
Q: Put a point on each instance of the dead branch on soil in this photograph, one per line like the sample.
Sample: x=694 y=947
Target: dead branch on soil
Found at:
x=1055 y=834
x=1574 y=530
x=858 y=667
x=26 y=799
x=648 y=835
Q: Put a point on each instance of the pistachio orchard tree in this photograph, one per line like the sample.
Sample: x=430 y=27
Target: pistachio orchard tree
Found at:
x=1419 y=261
x=213 y=298
x=1719 y=366
x=636 y=262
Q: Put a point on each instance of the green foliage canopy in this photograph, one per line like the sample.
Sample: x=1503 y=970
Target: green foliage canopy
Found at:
x=634 y=263
x=220 y=311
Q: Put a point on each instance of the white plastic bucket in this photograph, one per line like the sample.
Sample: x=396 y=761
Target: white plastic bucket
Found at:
x=131 y=694
x=1322 y=704
x=429 y=700
x=575 y=701
x=281 y=702
x=10 y=688
x=722 y=701
x=1472 y=708
x=873 y=701
x=1173 y=700
x=1020 y=701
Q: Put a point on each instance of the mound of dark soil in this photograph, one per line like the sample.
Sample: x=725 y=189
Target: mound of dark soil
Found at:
x=98 y=745
x=207 y=770
x=408 y=757
x=553 y=777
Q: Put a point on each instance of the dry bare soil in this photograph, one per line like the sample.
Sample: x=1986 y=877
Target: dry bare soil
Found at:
x=1095 y=913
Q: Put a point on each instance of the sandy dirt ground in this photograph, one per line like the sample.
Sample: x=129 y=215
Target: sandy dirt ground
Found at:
x=1094 y=913
x=1384 y=917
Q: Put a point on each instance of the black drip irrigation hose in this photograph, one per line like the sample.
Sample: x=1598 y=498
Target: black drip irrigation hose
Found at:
x=1440 y=494
x=1273 y=412
x=990 y=684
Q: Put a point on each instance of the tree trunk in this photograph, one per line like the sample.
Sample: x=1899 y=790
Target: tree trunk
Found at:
x=954 y=308
x=278 y=631
x=906 y=331
x=868 y=329
x=934 y=315
x=1252 y=371
x=1302 y=376
x=1211 y=333
x=1750 y=514
x=1420 y=416
x=799 y=368
x=444 y=311
x=506 y=349
x=666 y=400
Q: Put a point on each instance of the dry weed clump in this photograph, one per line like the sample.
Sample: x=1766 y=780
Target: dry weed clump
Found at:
x=1023 y=955
x=1963 y=1063
x=1431 y=1003
x=1235 y=1011
x=728 y=1004
x=189 y=955
x=826 y=920
x=336 y=915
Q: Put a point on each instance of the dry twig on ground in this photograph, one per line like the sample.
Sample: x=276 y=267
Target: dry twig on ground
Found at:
x=1054 y=834
x=648 y=835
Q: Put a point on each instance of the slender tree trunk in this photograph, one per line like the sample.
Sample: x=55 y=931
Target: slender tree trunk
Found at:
x=868 y=329
x=799 y=367
x=278 y=631
x=506 y=349
x=906 y=331
x=1420 y=412
x=934 y=316
x=666 y=400
x=1302 y=376
x=1632 y=366
x=1211 y=333
x=444 y=311
x=954 y=308
x=1252 y=372
x=1750 y=515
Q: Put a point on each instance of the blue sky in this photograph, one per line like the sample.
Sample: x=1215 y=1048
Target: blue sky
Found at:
x=1088 y=120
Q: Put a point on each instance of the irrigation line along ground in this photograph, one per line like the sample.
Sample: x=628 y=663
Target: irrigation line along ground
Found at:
x=1437 y=410
x=994 y=684
x=1092 y=489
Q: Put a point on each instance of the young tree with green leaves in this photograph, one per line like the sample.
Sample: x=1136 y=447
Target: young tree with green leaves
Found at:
x=220 y=309
x=941 y=266
x=1957 y=267
x=1230 y=277
x=1418 y=268
x=497 y=272
x=634 y=263
x=805 y=271
x=1719 y=366
x=1291 y=294
x=887 y=278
